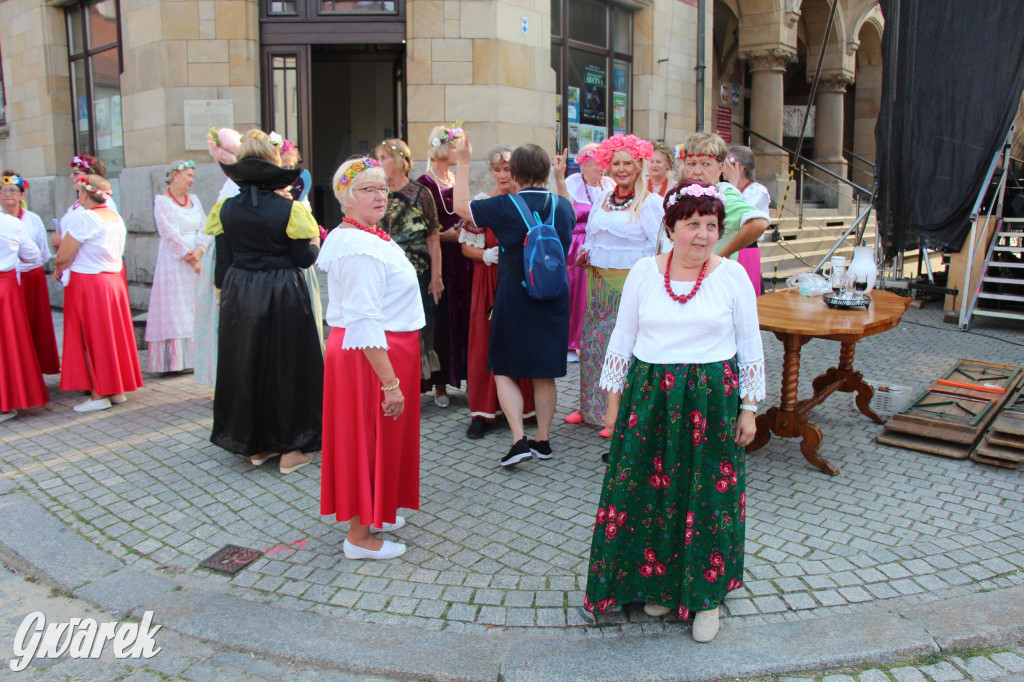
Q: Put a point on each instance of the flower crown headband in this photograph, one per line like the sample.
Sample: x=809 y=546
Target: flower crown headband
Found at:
x=588 y=155
x=183 y=165
x=93 y=190
x=694 y=191
x=16 y=180
x=355 y=169
x=82 y=162
x=683 y=156
x=395 y=148
x=449 y=135
x=637 y=147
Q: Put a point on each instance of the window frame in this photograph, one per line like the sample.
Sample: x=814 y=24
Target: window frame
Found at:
x=84 y=57
x=560 y=49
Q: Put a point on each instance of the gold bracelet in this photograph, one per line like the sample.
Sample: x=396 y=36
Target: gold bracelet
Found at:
x=392 y=387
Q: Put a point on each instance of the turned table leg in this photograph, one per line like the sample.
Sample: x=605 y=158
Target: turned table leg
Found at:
x=847 y=381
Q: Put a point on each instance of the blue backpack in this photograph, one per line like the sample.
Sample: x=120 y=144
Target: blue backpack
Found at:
x=544 y=272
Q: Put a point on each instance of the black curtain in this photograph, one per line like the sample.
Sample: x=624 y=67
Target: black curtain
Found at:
x=952 y=76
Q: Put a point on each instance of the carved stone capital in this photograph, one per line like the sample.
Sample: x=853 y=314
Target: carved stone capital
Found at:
x=832 y=82
x=772 y=59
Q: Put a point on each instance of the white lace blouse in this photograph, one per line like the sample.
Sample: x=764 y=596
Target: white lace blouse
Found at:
x=617 y=239
x=371 y=288
x=718 y=323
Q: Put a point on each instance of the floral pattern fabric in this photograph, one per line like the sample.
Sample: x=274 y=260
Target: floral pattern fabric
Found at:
x=670 y=521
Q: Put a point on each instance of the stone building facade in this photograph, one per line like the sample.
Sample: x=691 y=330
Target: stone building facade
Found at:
x=137 y=82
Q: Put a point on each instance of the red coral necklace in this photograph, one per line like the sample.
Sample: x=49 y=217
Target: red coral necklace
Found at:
x=372 y=230
x=175 y=199
x=681 y=300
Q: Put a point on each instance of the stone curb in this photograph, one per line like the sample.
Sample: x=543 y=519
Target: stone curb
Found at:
x=39 y=544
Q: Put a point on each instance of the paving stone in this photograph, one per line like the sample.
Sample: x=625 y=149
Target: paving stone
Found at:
x=942 y=672
x=873 y=675
x=907 y=674
x=981 y=668
x=1008 y=661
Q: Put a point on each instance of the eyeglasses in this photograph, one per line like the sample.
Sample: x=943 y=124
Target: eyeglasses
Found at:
x=372 y=190
x=10 y=190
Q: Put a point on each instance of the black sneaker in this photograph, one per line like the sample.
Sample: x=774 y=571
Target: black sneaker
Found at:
x=541 y=448
x=477 y=429
x=517 y=453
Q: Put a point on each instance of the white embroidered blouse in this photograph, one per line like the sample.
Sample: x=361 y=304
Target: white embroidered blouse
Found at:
x=618 y=239
x=371 y=288
x=718 y=323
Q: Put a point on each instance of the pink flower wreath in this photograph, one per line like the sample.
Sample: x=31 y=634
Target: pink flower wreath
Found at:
x=637 y=147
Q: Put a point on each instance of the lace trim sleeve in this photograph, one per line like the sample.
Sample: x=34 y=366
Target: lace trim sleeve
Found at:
x=614 y=372
x=364 y=333
x=752 y=379
x=474 y=239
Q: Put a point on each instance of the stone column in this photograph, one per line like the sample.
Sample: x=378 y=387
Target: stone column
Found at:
x=766 y=97
x=828 y=134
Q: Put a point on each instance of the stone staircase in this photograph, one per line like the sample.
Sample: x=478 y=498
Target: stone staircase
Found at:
x=821 y=228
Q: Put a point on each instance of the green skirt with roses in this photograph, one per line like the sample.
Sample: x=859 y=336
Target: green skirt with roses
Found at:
x=669 y=527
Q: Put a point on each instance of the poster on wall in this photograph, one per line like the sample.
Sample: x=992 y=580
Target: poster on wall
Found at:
x=619 y=112
x=83 y=115
x=574 y=104
x=594 y=89
x=592 y=134
x=102 y=114
x=116 y=129
x=723 y=123
x=620 y=82
x=574 y=139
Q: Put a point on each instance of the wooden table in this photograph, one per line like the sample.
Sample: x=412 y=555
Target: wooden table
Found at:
x=795 y=320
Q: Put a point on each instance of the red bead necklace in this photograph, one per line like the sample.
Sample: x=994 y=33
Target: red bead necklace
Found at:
x=372 y=230
x=175 y=199
x=696 y=285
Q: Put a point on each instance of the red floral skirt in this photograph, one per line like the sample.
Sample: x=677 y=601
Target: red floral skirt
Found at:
x=21 y=381
x=99 y=339
x=40 y=319
x=370 y=463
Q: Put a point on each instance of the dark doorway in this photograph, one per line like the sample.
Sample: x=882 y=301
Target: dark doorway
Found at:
x=357 y=98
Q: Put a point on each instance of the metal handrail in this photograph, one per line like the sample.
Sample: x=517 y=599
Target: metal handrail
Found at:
x=847 y=152
x=803 y=158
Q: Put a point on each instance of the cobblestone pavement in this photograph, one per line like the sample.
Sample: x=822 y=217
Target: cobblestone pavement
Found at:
x=494 y=549
x=184 y=658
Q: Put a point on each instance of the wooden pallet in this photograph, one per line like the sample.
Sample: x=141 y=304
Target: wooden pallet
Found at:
x=932 y=446
x=1003 y=443
x=951 y=417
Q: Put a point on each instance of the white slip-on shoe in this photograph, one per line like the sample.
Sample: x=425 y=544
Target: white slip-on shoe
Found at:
x=389 y=527
x=705 y=625
x=389 y=550
x=4 y=416
x=307 y=459
x=442 y=401
x=92 y=405
x=118 y=399
x=656 y=610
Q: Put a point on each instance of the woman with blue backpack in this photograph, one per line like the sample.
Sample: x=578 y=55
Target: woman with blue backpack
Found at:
x=530 y=320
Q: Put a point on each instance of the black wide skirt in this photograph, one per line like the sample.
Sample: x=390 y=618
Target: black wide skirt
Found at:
x=270 y=371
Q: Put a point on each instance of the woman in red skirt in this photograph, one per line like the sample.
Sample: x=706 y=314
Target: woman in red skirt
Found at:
x=371 y=434
x=481 y=246
x=99 y=340
x=32 y=276
x=21 y=382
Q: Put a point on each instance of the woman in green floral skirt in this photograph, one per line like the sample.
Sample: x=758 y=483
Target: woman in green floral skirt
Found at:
x=684 y=371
